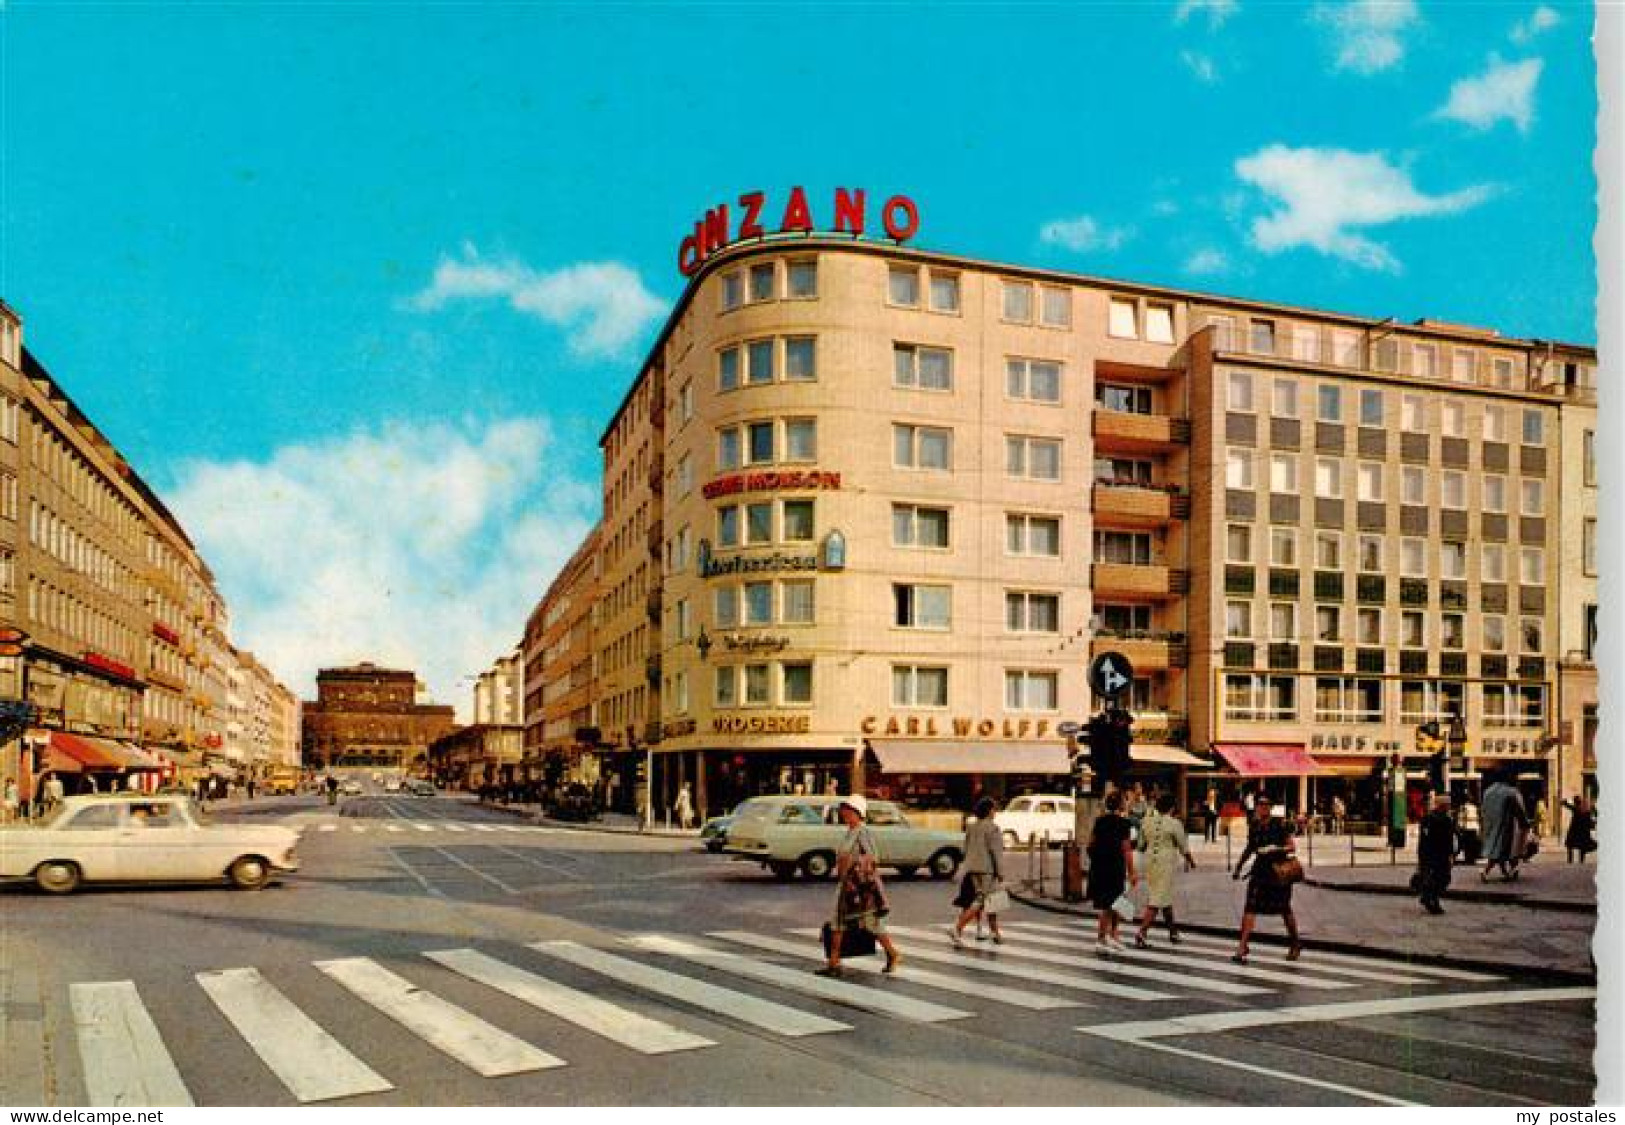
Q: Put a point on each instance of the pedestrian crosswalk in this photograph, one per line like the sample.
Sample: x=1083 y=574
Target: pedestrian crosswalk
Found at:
x=456 y=828
x=653 y=993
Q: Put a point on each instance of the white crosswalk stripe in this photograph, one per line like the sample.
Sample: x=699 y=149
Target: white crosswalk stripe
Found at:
x=1210 y=962
x=393 y=828
x=311 y=1063
x=124 y=1058
x=327 y=828
x=799 y=980
x=422 y=827
x=613 y=1022
x=487 y=1050
x=765 y=1014
x=1020 y=998
x=1099 y=964
x=513 y=828
x=455 y=828
x=483 y=827
x=358 y=828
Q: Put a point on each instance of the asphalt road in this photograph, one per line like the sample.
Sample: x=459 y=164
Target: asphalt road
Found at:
x=432 y=951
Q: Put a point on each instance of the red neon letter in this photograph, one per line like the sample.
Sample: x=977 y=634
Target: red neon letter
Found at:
x=714 y=232
x=902 y=232
x=796 y=215
x=752 y=203
x=849 y=211
x=688 y=255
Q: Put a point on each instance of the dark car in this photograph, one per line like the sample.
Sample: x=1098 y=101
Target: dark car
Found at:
x=573 y=802
x=418 y=787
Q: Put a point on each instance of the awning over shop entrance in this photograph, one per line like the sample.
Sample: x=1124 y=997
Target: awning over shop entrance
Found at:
x=79 y=753
x=897 y=755
x=1155 y=753
x=1262 y=759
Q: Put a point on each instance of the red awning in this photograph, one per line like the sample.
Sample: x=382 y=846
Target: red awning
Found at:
x=75 y=753
x=1262 y=759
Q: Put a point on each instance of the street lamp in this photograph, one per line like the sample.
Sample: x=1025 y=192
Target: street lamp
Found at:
x=1455 y=739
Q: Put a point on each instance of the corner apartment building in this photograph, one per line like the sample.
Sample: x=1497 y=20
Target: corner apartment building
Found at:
x=906 y=497
x=558 y=661
x=497 y=698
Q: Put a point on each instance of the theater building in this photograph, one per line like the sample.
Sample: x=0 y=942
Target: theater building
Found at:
x=369 y=718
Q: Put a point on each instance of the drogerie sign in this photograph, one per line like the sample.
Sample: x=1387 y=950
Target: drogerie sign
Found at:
x=899 y=218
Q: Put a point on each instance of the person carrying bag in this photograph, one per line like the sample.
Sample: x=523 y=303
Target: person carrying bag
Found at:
x=981 y=891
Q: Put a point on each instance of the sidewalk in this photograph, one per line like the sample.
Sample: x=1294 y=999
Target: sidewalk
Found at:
x=623 y=823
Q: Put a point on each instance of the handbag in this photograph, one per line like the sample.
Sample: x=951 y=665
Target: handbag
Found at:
x=855 y=941
x=1286 y=871
x=998 y=901
x=1125 y=907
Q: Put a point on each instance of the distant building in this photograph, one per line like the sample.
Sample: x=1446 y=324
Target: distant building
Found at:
x=476 y=756
x=497 y=692
x=369 y=717
x=558 y=670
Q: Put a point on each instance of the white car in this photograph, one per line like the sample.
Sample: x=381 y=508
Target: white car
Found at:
x=1029 y=819
x=393 y=785
x=119 y=838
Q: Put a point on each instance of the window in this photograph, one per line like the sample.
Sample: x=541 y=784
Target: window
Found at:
x=1588 y=456
x=760 y=442
x=1238 y=469
x=944 y=292
x=728 y=448
x=1534 y=427
x=1413 y=558
x=916 y=686
x=1423 y=701
x=1588 y=547
x=917 y=526
x=1369 y=478
x=1328 y=550
x=1261 y=338
x=1495 y=494
x=1123 y=400
x=1031 y=691
x=801 y=359
x=728 y=369
x=1345 y=699
x=1238 y=619
x=1495 y=423
x=802 y=278
x=1032 y=613
x=1453 y=561
x=1532 y=497
x=926 y=369
x=759 y=365
x=1032 y=458
x=1425 y=361
x=1122 y=470
x=1305 y=343
x=1328 y=623
x=1123 y=548
x=1501 y=368
x=796 y=683
x=1124 y=620
x=758 y=603
x=796 y=517
x=1329 y=403
x=1283 y=621
x=921 y=607
x=1452 y=631
x=1250 y=698
x=922 y=447
x=758 y=685
x=1285 y=401
x=1345 y=348
x=1368 y=626
x=1370 y=554
x=1055 y=307
x=1531 y=633
x=733 y=290
x=903 y=286
x=679 y=549
x=1453 y=419
x=1413 y=413
x=1495 y=633
x=682 y=619
x=762 y=281
x=1371 y=409
x=727 y=606
x=1238 y=543
x=685 y=401
x=1461 y=365
x=1492 y=563
x=1032 y=535
x=1018 y=301
x=1452 y=490
x=796 y=601
x=1532 y=566
x=1036 y=380
x=1122 y=319
x=1159 y=323
x=1283 y=546
x=1241 y=392
x=728 y=526
x=1224 y=330
x=1328 y=478
x=1413 y=628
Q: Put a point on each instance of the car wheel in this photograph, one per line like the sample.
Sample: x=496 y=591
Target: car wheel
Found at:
x=249 y=873
x=57 y=876
x=1011 y=840
x=817 y=865
x=783 y=870
x=944 y=863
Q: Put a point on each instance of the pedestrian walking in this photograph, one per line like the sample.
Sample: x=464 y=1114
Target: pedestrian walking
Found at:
x=1582 y=827
x=1210 y=816
x=684 y=809
x=1539 y=820
x=1435 y=851
x=860 y=899
x=981 y=889
x=10 y=802
x=52 y=792
x=1111 y=868
x=1340 y=813
x=1135 y=809
x=1162 y=839
x=1506 y=826
x=1469 y=837
x=1269 y=882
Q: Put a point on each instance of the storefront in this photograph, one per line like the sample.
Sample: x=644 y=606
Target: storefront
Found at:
x=943 y=774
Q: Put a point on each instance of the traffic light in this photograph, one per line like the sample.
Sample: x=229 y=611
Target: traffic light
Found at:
x=1436 y=762
x=1121 y=740
x=11 y=640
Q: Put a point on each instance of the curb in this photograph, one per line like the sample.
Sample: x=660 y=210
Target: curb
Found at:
x=1545 y=972
x=593 y=826
x=1495 y=898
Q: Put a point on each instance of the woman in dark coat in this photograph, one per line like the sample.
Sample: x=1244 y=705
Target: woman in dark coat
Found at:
x=1269 y=839
x=1435 y=852
x=1111 y=866
x=1582 y=825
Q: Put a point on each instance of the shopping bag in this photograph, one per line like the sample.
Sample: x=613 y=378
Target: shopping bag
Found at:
x=855 y=941
x=1286 y=871
x=1125 y=907
x=998 y=901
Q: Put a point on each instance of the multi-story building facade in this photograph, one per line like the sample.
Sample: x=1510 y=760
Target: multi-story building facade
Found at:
x=906 y=496
x=558 y=661
x=497 y=692
x=367 y=717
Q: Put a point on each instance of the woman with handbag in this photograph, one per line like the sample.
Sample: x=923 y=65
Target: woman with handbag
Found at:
x=1162 y=839
x=1111 y=866
x=860 y=901
x=981 y=891
x=1269 y=886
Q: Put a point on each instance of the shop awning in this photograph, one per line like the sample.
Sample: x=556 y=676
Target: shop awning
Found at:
x=899 y=755
x=1261 y=759
x=1158 y=754
x=139 y=760
x=76 y=753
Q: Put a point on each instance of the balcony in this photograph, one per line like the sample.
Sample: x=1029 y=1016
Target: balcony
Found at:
x=657 y=537
x=1148 y=652
x=652 y=604
x=1139 y=583
x=651 y=668
x=1115 y=431
x=1137 y=505
x=657 y=477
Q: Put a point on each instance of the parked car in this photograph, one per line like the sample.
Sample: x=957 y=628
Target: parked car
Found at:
x=393 y=785
x=573 y=802
x=418 y=787
x=1029 y=819
x=714 y=832
x=351 y=788
x=115 y=837
x=785 y=834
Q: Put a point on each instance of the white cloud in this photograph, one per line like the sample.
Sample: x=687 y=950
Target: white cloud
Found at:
x=1323 y=197
x=1083 y=234
x=1207 y=260
x=1200 y=65
x=1541 y=19
x=415 y=545
x=1368 y=35
x=603 y=306
x=1217 y=11
x=1504 y=92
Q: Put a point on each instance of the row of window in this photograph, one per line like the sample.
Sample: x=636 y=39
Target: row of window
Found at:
x=1353 y=699
x=1370 y=554
x=795 y=279
x=1371 y=481
x=1370 y=409
x=767 y=441
x=11 y=412
x=89 y=626
x=74 y=550
x=59 y=463
x=1239 y=624
x=789 y=683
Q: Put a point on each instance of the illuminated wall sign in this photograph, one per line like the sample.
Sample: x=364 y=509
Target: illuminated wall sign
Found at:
x=710 y=567
x=771 y=482
x=1358 y=743
x=898 y=216
x=761 y=724
x=748 y=642
x=928 y=726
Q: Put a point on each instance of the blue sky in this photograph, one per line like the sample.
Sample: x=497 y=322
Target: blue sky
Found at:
x=358 y=286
